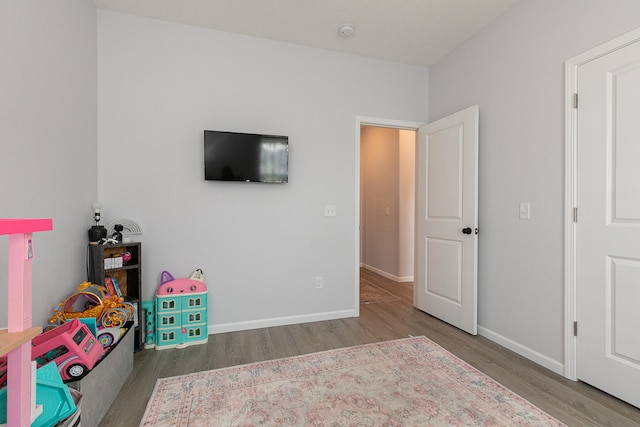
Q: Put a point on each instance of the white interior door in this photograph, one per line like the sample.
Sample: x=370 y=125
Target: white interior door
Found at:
x=447 y=219
x=608 y=227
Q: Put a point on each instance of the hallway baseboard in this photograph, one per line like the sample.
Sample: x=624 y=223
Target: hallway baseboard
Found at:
x=400 y=279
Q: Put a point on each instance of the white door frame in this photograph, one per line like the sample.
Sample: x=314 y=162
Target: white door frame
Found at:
x=377 y=122
x=570 y=233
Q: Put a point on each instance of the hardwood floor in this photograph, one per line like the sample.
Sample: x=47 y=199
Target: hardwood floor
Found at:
x=574 y=403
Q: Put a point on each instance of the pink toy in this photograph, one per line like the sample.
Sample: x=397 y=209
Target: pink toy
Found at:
x=171 y=286
x=20 y=399
x=71 y=346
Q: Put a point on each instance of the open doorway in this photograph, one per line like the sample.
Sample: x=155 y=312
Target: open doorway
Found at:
x=446 y=179
x=387 y=194
x=363 y=122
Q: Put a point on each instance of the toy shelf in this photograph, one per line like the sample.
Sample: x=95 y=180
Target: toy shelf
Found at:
x=16 y=341
x=127 y=274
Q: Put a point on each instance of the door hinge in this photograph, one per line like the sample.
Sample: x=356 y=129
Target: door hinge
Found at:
x=575 y=100
x=575 y=214
x=575 y=329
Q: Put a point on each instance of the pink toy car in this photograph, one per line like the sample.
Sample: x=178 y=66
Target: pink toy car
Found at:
x=73 y=348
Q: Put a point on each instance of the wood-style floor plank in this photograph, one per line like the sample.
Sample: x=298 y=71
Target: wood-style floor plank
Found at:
x=574 y=403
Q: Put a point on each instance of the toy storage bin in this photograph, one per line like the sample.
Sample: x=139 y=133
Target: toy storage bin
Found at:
x=101 y=386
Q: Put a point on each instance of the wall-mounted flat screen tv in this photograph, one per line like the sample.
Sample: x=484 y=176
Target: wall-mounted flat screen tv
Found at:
x=247 y=157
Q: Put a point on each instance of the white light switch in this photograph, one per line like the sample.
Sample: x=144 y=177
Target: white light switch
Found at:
x=525 y=211
x=329 y=210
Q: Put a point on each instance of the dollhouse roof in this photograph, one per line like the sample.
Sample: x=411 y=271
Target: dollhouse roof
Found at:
x=171 y=286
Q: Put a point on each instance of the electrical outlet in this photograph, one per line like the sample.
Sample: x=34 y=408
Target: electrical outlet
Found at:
x=329 y=210
x=318 y=282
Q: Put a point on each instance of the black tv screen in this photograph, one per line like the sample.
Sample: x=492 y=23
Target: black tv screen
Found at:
x=248 y=157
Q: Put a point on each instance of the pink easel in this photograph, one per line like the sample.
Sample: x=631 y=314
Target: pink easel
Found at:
x=16 y=341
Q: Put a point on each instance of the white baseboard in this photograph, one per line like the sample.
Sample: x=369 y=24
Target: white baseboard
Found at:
x=279 y=321
x=523 y=351
x=388 y=275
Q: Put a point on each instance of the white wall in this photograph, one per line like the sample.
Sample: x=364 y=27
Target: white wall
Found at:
x=48 y=129
x=514 y=69
x=260 y=246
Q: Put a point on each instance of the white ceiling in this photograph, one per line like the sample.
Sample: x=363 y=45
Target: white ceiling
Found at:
x=416 y=32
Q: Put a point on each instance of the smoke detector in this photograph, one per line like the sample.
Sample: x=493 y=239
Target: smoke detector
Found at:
x=346 y=31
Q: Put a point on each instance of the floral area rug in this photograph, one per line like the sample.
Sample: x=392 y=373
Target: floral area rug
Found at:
x=408 y=382
x=370 y=293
